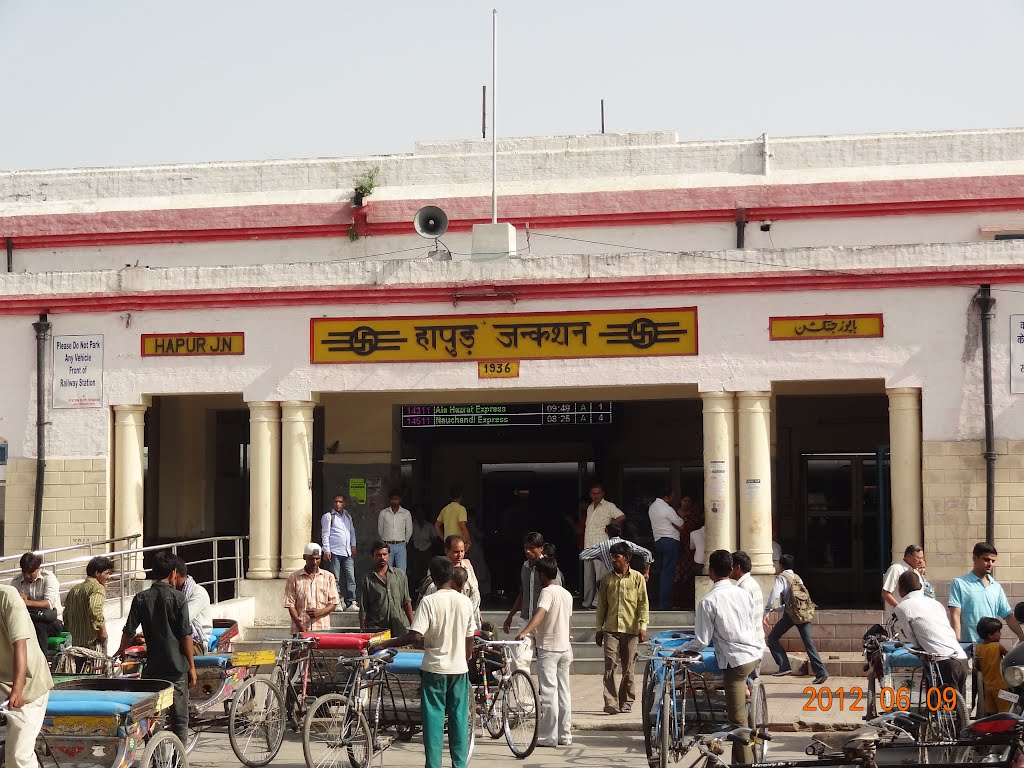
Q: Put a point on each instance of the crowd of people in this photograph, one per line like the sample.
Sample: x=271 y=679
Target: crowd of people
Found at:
x=172 y=617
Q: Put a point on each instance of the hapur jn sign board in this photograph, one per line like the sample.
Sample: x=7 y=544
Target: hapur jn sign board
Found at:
x=78 y=371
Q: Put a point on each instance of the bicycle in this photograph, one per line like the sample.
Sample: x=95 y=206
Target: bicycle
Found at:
x=336 y=724
x=945 y=712
x=674 y=683
x=512 y=709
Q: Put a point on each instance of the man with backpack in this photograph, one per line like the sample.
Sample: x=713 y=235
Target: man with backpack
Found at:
x=797 y=610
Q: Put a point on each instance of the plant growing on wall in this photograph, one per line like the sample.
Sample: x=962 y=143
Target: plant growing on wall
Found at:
x=365 y=185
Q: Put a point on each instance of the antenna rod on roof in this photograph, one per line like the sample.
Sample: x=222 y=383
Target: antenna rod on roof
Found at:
x=494 y=116
x=602 y=115
x=483 y=115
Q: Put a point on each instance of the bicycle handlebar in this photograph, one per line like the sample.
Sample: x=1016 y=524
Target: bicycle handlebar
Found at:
x=497 y=643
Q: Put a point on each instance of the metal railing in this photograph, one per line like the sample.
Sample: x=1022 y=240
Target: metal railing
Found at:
x=221 y=557
x=93 y=548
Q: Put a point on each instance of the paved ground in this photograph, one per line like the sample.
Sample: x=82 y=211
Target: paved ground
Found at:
x=588 y=749
x=789 y=706
x=598 y=739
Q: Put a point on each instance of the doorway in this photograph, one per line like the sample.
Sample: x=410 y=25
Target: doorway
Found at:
x=843 y=525
x=517 y=498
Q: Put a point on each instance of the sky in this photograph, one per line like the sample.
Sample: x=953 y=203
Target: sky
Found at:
x=136 y=82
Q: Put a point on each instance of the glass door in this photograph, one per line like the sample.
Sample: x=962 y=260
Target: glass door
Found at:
x=842 y=562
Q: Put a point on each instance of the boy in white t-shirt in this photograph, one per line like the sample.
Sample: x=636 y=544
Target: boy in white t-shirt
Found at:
x=550 y=623
x=444 y=624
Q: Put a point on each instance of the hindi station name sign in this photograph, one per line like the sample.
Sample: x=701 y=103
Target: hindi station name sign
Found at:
x=475 y=338
x=78 y=371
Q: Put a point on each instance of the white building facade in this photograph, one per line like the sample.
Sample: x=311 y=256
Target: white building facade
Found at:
x=232 y=344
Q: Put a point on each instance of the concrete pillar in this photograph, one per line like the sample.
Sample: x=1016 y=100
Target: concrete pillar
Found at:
x=129 y=447
x=905 y=463
x=264 y=490
x=755 y=480
x=719 y=470
x=296 y=482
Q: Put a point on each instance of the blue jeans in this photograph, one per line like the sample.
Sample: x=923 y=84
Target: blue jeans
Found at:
x=398 y=557
x=779 y=655
x=336 y=565
x=666 y=549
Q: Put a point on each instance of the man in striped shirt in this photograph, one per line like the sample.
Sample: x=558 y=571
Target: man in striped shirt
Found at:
x=83 y=606
x=311 y=594
x=602 y=550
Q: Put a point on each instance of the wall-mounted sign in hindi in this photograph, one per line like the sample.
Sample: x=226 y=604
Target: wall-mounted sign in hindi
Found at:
x=825 y=327
x=192 y=344
x=78 y=371
x=474 y=338
x=1017 y=354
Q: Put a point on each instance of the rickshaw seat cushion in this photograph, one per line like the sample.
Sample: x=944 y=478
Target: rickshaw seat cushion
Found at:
x=340 y=641
x=672 y=635
x=901 y=658
x=406 y=663
x=708 y=664
x=135 y=650
x=215 y=635
x=221 y=660
x=64 y=703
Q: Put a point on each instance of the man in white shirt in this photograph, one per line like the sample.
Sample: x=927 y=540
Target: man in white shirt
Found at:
x=443 y=623
x=551 y=622
x=924 y=623
x=599 y=514
x=697 y=545
x=741 y=567
x=725 y=619
x=666 y=526
x=913 y=557
x=394 y=526
x=40 y=591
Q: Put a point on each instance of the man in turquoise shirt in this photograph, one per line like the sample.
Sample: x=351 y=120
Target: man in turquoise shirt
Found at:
x=977 y=595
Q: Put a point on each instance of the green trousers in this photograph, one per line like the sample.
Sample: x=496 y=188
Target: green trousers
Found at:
x=441 y=695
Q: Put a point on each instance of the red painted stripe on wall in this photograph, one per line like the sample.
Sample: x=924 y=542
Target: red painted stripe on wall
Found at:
x=628 y=208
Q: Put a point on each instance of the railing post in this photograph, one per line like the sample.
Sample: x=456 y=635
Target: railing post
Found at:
x=216 y=577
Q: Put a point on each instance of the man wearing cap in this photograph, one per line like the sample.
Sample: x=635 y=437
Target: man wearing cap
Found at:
x=311 y=594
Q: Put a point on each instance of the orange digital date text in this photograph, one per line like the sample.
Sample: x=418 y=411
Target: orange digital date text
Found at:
x=825 y=699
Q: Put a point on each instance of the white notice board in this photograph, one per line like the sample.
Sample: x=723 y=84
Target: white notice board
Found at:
x=78 y=371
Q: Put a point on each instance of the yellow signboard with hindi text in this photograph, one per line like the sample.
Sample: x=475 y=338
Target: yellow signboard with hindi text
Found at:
x=825 y=327
x=505 y=337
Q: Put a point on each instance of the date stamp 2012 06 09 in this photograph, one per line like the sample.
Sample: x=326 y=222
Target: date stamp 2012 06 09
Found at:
x=855 y=699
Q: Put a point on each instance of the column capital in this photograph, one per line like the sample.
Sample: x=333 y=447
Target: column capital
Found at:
x=297 y=410
x=130 y=415
x=264 y=411
x=719 y=401
x=131 y=408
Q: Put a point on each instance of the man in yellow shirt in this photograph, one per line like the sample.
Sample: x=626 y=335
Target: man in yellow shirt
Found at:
x=622 y=617
x=452 y=519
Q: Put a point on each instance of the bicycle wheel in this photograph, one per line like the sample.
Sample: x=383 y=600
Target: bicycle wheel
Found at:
x=649 y=716
x=665 y=727
x=333 y=731
x=520 y=710
x=757 y=719
x=256 y=722
x=164 y=750
x=474 y=726
x=944 y=725
x=493 y=714
x=195 y=730
x=292 y=708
